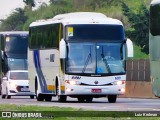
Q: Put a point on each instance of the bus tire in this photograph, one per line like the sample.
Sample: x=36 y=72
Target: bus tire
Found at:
x=62 y=98
x=3 y=96
x=31 y=96
x=8 y=97
x=40 y=97
x=81 y=99
x=89 y=99
x=112 y=98
x=48 y=97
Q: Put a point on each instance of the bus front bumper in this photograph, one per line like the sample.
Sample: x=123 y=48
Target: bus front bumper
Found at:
x=94 y=90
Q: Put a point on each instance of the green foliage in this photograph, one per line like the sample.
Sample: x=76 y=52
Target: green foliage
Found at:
x=138 y=54
x=46 y=12
x=29 y=3
x=15 y=21
x=133 y=13
x=139 y=31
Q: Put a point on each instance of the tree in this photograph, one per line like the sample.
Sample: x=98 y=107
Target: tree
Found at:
x=15 y=21
x=139 y=31
x=29 y=3
x=53 y=1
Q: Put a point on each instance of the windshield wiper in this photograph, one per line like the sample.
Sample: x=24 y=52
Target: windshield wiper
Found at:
x=105 y=61
x=87 y=61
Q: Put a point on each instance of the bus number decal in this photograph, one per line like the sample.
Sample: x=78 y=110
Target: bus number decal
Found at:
x=117 y=78
x=76 y=77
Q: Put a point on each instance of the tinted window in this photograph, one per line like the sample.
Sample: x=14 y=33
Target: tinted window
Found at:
x=16 y=44
x=155 y=19
x=95 y=32
x=45 y=36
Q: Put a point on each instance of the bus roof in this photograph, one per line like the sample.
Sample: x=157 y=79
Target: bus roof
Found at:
x=13 y=32
x=155 y=2
x=78 y=18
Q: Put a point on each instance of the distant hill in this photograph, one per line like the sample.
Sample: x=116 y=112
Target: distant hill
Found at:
x=111 y=8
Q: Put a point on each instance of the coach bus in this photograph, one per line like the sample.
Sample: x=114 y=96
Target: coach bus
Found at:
x=154 y=46
x=67 y=57
x=13 y=45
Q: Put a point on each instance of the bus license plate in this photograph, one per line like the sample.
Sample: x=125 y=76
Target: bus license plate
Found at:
x=96 y=90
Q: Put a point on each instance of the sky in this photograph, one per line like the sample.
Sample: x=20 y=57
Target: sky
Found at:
x=8 y=6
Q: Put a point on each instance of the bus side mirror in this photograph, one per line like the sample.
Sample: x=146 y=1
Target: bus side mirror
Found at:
x=129 y=44
x=62 y=49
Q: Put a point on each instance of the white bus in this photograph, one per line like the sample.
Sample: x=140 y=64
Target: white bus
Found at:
x=13 y=54
x=154 y=46
x=67 y=57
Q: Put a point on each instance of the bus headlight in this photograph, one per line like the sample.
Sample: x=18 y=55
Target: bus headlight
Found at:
x=122 y=90
x=72 y=82
x=119 y=82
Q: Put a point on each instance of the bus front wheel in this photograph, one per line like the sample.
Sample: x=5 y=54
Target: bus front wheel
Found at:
x=112 y=98
x=61 y=98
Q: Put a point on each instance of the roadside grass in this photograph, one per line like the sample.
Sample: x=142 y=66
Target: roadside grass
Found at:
x=64 y=113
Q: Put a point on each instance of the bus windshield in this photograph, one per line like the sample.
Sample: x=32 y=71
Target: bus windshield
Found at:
x=93 y=58
x=95 y=32
x=17 y=64
x=16 y=44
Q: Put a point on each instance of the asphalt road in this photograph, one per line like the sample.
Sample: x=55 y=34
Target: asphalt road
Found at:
x=100 y=104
